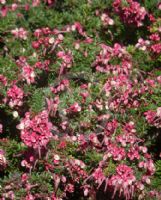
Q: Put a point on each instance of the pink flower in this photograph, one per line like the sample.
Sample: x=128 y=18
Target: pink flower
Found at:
x=159 y=6
x=66 y=57
x=2 y=1
x=111 y=127
x=106 y=20
x=129 y=127
x=20 y=33
x=69 y=188
x=158 y=114
x=123 y=180
x=28 y=74
x=67 y=60
x=155 y=37
x=24 y=177
x=10 y=195
x=35 y=3
x=142 y=44
x=150 y=116
x=3 y=80
x=43 y=65
x=84 y=96
x=159 y=79
x=74 y=108
x=14 y=6
x=98 y=176
x=133 y=154
x=155 y=194
x=4 y=11
x=29 y=197
x=131 y=12
x=125 y=139
x=56 y=159
x=107 y=53
x=35 y=44
x=150 y=167
x=35 y=132
x=156 y=48
x=64 y=84
x=146 y=179
x=143 y=149
x=78 y=27
x=154 y=117
x=50 y=2
x=117 y=153
x=93 y=138
x=38 y=33
x=15 y=96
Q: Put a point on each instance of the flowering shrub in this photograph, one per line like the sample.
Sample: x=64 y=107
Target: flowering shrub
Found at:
x=80 y=111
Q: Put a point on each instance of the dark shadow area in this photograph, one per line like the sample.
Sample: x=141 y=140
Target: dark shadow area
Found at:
x=154 y=135
x=9 y=125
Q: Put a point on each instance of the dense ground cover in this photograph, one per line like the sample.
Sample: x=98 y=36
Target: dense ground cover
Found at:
x=80 y=101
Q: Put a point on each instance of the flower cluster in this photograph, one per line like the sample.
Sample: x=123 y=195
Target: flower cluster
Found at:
x=35 y=132
x=142 y=44
x=20 y=33
x=154 y=117
x=3 y=80
x=28 y=74
x=118 y=149
x=155 y=38
x=14 y=96
x=106 y=20
x=103 y=62
x=124 y=179
x=80 y=111
x=64 y=84
x=130 y=12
